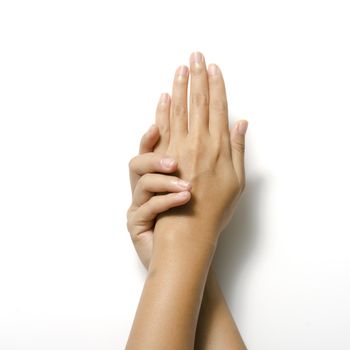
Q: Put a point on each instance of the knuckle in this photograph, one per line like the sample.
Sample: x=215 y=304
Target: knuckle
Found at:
x=152 y=205
x=129 y=221
x=199 y=100
x=179 y=109
x=129 y=226
x=197 y=153
x=156 y=163
x=132 y=165
x=216 y=149
x=129 y=211
x=195 y=147
x=219 y=106
x=164 y=129
x=144 y=181
x=239 y=146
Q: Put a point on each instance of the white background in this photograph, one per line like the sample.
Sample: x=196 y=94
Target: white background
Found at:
x=79 y=82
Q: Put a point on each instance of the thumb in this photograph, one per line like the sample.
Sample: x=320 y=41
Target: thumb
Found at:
x=237 y=138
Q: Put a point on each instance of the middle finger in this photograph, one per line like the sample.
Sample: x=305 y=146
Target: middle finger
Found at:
x=199 y=95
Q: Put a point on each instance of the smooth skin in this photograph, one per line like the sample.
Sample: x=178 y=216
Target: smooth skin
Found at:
x=216 y=328
x=184 y=238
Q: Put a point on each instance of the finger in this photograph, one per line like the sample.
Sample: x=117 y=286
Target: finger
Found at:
x=159 y=204
x=149 y=163
x=178 y=109
x=218 y=111
x=199 y=94
x=237 y=138
x=149 y=184
x=163 y=122
x=149 y=139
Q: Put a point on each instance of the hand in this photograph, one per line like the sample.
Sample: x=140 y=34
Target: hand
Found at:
x=208 y=154
x=211 y=159
x=145 y=183
x=215 y=327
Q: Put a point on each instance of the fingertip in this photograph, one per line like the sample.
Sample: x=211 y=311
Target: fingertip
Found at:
x=169 y=164
x=149 y=139
x=182 y=71
x=164 y=98
x=242 y=126
x=213 y=70
x=183 y=196
x=196 y=57
x=239 y=128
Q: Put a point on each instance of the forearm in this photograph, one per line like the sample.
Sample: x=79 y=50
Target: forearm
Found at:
x=216 y=328
x=168 y=311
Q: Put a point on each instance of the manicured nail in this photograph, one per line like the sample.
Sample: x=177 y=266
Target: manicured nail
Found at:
x=164 y=98
x=213 y=69
x=182 y=195
x=196 y=57
x=183 y=184
x=182 y=71
x=242 y=127
x=168 y=162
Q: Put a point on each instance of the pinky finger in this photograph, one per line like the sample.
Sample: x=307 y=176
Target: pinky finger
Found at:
x=159 y=204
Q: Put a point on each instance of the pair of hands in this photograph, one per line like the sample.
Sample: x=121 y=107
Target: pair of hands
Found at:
x=190 y=166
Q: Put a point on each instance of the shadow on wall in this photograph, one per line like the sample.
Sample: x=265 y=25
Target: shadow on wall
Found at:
x=238 y=240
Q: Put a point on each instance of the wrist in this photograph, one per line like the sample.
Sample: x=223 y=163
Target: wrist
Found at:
x=180 y=259
x=177 y=252
x=177 y=229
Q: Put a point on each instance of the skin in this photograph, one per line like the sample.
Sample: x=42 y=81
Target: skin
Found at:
x=184 y=238
x=216 y=328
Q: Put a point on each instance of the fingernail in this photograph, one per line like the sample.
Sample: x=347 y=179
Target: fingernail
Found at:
x=183 y=184
x=242 y=127
x=164 y=98
x=213 y=69
x=168 y=162
x=182 y=71
x=196 y=57
x=182 y=195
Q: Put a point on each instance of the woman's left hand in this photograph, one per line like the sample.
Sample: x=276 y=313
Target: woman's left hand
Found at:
x=145 y=183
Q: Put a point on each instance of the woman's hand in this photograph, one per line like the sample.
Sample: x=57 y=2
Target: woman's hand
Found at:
x=208 y=154
x=210 y=157
x=145 y=183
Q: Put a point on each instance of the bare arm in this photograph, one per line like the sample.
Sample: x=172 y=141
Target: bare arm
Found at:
x=168 y=311
x=185 y=238
x=216 y=328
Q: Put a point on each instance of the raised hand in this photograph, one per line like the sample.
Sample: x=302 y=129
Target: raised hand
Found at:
x=209 y=155
x=216 y=328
